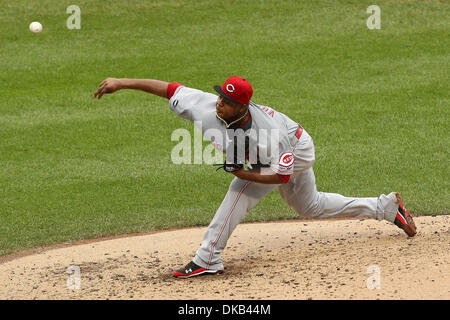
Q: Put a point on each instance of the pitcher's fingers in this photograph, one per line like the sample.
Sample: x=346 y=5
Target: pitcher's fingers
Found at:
x=100 y=87
x=99 y=90
x=101 y=95
x=103 y=87
x=98 y=93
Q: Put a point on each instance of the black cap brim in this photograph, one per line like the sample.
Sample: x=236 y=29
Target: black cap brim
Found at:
x=223 y=94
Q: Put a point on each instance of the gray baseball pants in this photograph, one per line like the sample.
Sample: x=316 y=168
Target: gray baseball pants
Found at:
x=300 y=193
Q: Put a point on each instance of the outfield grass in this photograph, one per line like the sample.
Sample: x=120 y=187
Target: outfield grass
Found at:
x=71 y=167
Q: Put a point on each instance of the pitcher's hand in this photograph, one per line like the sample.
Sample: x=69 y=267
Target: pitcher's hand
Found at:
x=109 y=85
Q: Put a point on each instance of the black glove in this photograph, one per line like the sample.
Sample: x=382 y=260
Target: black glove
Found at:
x=229 y=167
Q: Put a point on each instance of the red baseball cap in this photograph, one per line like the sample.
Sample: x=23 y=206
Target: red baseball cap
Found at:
x=237 y=89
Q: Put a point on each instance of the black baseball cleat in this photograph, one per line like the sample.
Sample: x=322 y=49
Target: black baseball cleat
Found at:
x=404 y=219
x=192 y=270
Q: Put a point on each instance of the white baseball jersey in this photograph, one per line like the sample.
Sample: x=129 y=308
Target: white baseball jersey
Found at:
x=271 y=134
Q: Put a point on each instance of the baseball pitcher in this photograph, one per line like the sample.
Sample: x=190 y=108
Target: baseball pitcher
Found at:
x=264 y=150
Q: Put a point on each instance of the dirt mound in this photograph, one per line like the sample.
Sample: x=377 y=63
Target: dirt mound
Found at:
x=328 y=259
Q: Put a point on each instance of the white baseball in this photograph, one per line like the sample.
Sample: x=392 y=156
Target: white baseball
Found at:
x=35 y=27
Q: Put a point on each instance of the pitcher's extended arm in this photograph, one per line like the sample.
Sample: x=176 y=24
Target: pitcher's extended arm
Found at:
x=111 y=85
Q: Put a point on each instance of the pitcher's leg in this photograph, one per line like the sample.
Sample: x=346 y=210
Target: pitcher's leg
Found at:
x=240 y=198
x=333 y=204
x=301 y=193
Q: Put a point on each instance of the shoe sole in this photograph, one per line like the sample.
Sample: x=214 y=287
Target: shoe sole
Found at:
x=407 y=222
x=201 y=273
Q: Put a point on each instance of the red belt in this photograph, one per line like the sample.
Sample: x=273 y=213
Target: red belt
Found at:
x=299 y=132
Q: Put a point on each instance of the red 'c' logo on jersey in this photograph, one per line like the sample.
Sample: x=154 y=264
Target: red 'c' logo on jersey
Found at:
x=287 y=159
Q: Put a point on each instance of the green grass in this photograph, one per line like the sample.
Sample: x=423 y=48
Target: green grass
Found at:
x=71 y=167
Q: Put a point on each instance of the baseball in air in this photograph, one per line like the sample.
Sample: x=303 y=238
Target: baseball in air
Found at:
x=35 y=27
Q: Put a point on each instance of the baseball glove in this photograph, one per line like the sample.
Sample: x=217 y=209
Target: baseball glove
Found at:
x=229 y=167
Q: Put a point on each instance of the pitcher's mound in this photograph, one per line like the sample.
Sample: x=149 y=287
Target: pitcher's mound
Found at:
x=327 y=259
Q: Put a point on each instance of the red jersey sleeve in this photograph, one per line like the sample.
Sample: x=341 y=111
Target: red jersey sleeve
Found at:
x=171 y=89
x=285 y=177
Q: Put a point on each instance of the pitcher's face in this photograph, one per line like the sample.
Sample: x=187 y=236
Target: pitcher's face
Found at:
x=228 y=110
